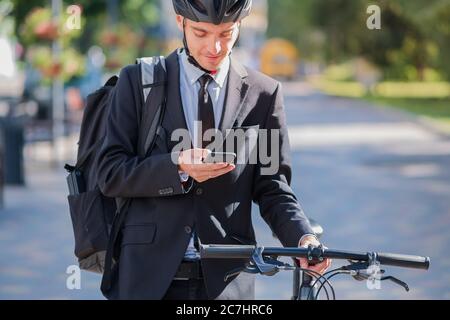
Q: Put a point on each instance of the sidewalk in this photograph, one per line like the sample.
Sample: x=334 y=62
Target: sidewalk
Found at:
x=36 y=240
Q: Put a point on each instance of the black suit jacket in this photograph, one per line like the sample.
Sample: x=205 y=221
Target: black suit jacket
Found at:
x=162 y=216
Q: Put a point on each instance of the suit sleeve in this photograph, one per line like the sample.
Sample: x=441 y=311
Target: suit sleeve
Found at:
x=278 y=205
x=121 y=172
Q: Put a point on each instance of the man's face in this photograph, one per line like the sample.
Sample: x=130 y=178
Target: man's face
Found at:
x=208 y=43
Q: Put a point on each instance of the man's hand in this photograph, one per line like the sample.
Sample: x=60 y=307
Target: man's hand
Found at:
x=320 y=267
x=191 y=162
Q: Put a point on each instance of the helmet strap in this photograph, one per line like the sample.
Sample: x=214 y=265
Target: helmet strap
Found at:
x=191 y=59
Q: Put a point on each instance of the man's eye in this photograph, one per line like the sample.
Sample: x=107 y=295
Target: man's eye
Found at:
x=200 y=35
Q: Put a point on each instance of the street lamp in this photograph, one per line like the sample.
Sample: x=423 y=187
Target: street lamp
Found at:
x=58 y=112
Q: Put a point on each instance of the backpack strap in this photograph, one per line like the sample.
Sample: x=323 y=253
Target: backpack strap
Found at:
x=153 y=82
x=151 y=76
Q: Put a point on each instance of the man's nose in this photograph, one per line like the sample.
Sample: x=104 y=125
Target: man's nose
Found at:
x=215 y=47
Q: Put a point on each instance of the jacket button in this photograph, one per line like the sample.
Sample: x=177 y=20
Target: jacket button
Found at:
x=199 y=191
x=188 y=229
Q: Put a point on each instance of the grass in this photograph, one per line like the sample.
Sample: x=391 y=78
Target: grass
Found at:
x=419 y=90
x=437 y=110
x=385 y=89
x=350 y=89
x=430 y=100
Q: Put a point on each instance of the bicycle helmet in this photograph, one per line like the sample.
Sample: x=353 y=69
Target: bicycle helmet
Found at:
x=213 y=11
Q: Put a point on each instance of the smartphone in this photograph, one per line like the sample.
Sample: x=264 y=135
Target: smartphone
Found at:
x=76 y=182
x=219 y=157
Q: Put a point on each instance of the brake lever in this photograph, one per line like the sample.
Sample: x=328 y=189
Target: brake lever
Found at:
x=397 y=281
x=235 y=272
x=253 y=269
x=358 y=270
x=258 y=264
x=268 y=269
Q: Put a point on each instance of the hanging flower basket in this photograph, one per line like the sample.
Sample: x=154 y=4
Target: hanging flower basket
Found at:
x=109 y=38
x=46 y=30
x=53 y=70
x=112 y=64
x=40 y=28
x=71 y=63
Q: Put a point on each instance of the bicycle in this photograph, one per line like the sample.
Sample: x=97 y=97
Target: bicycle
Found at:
x=307 y=285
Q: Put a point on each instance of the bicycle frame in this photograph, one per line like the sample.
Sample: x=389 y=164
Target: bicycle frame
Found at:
x=302 y=285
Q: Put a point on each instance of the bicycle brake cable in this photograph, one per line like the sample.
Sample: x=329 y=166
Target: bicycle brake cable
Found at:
x=318 y=277
x=337 y=272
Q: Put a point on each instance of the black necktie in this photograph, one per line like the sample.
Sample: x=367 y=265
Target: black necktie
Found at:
x=205 y=108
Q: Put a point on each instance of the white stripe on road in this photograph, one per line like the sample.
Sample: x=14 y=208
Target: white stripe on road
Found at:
x=358 y=134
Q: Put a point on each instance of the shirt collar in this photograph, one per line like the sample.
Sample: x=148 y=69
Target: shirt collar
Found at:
x=193 y=73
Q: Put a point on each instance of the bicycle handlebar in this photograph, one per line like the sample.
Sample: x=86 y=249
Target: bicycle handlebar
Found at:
x=246 y=251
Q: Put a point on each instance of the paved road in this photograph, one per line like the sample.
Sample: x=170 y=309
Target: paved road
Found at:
x=375 y=179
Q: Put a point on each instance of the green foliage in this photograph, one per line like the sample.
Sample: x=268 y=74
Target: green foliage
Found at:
x=140 y=13
x=413 y=44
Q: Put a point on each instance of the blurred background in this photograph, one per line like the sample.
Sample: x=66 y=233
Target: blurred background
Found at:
x=368 y=111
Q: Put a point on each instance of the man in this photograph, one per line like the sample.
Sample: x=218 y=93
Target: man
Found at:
x=177 y=204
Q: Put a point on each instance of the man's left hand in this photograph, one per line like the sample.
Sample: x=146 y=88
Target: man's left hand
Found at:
x=320 y=267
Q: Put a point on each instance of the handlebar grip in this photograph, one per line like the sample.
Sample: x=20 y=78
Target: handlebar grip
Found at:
x=226 y=251
x=405 y=261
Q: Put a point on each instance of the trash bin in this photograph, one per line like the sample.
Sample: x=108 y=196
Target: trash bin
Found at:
x=13 y=141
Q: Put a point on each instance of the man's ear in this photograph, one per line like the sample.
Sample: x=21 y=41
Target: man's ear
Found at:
x=238 y=33
x=179 y=20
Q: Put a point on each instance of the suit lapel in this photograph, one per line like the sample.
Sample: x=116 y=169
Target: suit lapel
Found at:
x=236 y=94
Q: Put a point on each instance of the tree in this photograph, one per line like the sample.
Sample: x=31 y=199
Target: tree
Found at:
x=414 y=37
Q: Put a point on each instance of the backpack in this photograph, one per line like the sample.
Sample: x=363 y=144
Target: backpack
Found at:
x=95 y=216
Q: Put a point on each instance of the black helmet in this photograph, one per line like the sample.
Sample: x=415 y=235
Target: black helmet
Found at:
x=213 y=11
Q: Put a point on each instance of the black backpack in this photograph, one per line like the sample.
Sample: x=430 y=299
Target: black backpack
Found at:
x=97 y=219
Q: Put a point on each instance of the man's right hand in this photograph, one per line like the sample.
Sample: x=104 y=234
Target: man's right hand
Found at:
x=191 y=162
